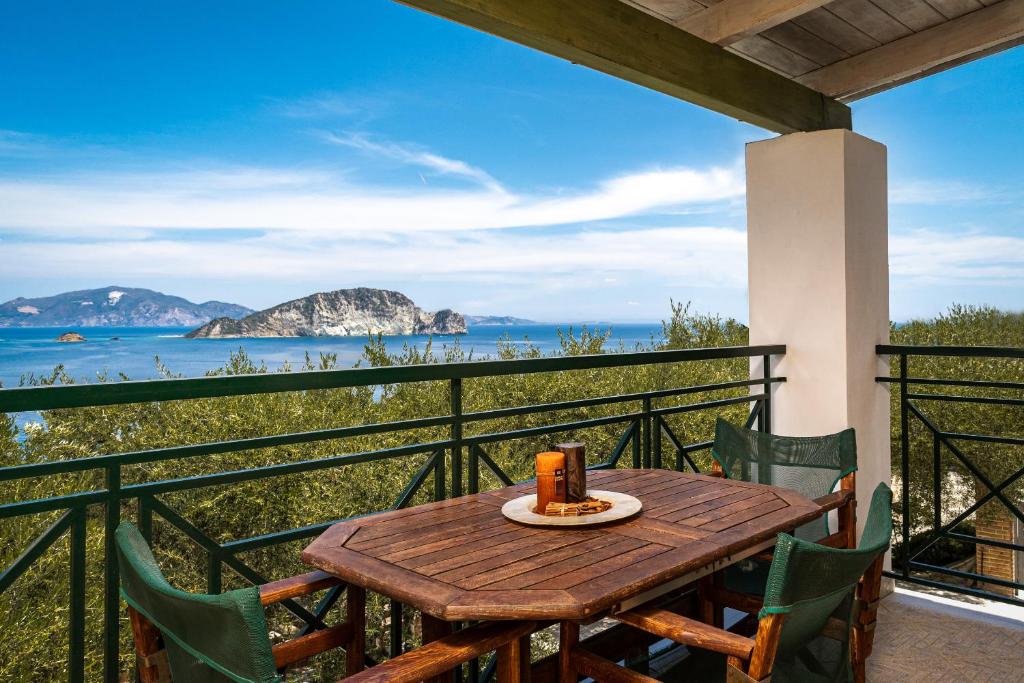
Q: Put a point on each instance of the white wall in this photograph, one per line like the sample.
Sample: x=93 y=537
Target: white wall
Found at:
x=817 y=231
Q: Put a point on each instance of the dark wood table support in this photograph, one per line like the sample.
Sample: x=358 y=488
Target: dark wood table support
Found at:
x=435 y=629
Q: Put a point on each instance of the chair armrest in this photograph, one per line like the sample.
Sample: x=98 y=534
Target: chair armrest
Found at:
x=834 y=501
x=686 y=631
x=303 y=647
x=294 y=586
x=440 y=656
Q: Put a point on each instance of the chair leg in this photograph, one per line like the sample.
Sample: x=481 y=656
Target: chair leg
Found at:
x=151 y=658
x=868 y=591
x=355 y=649
x=568 y=640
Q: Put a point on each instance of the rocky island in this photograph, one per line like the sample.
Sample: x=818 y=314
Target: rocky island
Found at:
x=343 y=312
x=70 y=338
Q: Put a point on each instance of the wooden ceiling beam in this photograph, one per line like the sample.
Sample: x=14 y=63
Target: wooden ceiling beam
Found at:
x=733 y=20
x=968 y=37
x=618 y=39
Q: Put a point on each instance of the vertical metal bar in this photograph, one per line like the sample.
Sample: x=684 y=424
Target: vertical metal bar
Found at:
x=146 y=519
x=213 y=573
x=440 y=484
x=905 y=465
x=474 y=470
x=937 y=481
x=456 y=436
x=656 y=435
x=111 y=599
x=637 y=461
x=395 y=627
x=76 y=615
x=766 y=413
x=646 y=433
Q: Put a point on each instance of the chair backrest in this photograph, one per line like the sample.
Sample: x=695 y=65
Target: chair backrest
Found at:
x=810 y=465
x=207 y=637
x=814 y=585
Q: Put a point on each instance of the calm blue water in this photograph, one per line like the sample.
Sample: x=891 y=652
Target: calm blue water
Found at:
x=34 y=350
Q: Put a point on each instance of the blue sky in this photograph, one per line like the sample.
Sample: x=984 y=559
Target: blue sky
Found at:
x=256 y=152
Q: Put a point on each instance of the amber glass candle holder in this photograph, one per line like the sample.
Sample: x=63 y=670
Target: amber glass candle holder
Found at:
x=550 y=480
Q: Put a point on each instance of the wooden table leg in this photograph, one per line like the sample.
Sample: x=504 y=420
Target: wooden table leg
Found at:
x=435 y=629
x=355 y=649
x=514 y=661
x=568 y=640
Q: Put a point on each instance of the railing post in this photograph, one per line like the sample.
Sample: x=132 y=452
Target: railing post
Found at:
x=395 y=628
x=646 y=427
x=656 y=436
x=905 y=464
x=76 y=613
x=937 y=481
x=213 y=573
x=145 y=519
x=765 y=423
x=637 y=455
x=474 y=470
x=456 y=435
x=111 y=598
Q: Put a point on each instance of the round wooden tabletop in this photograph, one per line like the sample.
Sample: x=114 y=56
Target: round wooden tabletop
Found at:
x=460 y=559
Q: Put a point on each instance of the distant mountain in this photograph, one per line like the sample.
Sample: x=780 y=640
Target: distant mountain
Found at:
x=485 y=320
x=342 y=312
x=113 y=307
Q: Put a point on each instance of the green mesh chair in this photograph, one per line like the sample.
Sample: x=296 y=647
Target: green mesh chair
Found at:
x=196 y=638
x=812 y=466
x=812 y=610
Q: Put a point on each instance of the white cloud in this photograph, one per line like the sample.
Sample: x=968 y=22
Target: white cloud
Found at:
x=319 y=201
x=966 y=258
x=706 y=256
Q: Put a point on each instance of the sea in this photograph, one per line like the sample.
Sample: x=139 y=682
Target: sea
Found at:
x=133 y=351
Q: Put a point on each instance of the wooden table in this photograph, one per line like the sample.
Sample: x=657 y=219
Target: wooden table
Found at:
x=461 y=560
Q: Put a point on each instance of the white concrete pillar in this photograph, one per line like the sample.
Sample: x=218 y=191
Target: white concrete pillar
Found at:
x=817 y=231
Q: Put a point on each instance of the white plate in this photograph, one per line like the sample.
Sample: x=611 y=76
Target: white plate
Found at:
x=623 y=506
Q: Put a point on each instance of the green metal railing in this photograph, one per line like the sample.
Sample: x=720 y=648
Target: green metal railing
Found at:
x=922 y=400
x=646 y=431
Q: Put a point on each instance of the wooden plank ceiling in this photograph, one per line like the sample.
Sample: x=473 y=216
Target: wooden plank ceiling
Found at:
x=848 y=49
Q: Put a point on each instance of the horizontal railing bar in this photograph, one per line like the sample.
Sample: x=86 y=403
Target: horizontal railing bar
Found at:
x=980 y=383
x=967 y=538
x=966 y=590
x=984 y=578
x=604 y=400
x=986 y=438
x=282 y=469
x=967 y=399
x=243 y=545
x=214 y=448
x=951 y=351
x=139 y=391
x=35 y=549
x=38 y=505
x=689 y=408
x=548 y=429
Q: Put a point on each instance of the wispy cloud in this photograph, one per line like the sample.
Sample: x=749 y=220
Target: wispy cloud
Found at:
x=416 y=156
x=940 y=192
x=322 y=105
